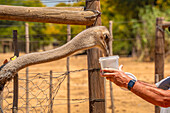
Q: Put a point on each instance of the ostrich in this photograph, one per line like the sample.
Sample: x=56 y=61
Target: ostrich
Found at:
x=98 y=36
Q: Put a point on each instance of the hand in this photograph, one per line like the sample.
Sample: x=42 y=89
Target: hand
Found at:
x=116 y=76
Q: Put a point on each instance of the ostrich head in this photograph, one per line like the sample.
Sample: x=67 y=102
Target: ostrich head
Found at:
x=97 y=36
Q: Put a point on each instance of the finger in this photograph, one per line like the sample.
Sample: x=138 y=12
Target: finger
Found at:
x=110 y=79
x=108 y=74
x=110 y=70
x=121 y=67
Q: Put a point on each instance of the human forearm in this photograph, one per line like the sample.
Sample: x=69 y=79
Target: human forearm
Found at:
x=147 y=84
x=152 y=94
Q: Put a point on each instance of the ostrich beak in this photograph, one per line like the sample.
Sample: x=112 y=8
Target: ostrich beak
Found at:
x=107 y=45
x=107 y=51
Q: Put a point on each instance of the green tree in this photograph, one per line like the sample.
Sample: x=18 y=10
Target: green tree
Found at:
x=127 y=26
x=162 y=4
x=6 y=26
x=146 y=31
x=61 y=29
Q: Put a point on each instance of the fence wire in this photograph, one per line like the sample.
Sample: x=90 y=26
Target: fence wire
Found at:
x=39 y=95
x=38 y=92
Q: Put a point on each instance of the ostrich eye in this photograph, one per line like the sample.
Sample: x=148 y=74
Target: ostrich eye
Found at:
x=106 y=37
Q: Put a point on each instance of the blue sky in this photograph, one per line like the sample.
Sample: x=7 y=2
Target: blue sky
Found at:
x=51 y=3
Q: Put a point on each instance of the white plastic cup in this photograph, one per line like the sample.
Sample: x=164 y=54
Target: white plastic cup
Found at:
x=111 y=62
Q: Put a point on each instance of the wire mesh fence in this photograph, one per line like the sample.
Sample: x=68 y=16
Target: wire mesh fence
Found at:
x=39 y=94
x=43 y=88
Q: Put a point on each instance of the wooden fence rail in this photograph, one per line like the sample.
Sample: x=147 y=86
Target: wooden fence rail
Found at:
x=47 y=15
x=165 y=24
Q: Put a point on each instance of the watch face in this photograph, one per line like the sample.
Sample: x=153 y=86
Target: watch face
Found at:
x=131 y=83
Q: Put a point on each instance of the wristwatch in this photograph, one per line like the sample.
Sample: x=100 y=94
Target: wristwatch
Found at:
x=131 y=84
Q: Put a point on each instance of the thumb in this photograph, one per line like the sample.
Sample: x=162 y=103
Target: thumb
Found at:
x=121 y=67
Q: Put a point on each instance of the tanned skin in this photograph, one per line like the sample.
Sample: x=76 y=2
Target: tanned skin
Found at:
x=148 y=92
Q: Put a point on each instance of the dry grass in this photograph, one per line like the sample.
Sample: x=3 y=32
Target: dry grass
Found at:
x=124 y=101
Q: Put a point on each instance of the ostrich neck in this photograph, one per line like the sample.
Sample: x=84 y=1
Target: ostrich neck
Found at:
x=89 y=38
x=51 y=55
x=8 y=70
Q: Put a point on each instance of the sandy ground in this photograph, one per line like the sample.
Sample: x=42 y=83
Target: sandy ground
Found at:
x=124 y=101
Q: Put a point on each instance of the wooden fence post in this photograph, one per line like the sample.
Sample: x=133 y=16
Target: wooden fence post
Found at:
x=96 y=82
x=51 y=92
x=15 y=83
x=68 y=69
x=27 y=69
x=159 y=53
x=111 y=53
x=3 y=47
